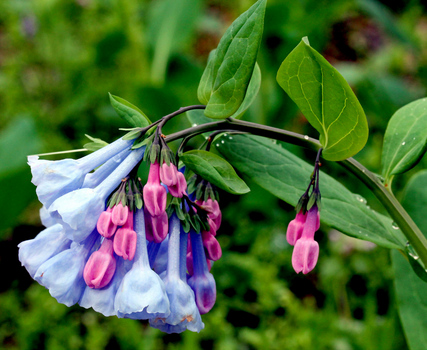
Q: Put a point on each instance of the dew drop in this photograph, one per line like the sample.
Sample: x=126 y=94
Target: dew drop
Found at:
x=394 y=225
x=193 y=125
x=225 y=135
x=230 y=138
x=403 y=143
x=217 y=144
x=222 y=141
x=360 y=199
x=306 y=137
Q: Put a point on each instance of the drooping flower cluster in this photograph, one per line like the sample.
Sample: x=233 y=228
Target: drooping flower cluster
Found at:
x=112 y=244
x=301 y=230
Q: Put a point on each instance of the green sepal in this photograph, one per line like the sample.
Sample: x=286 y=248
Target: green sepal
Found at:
x=96 y=143
x=138 y=201
x=133 y=134
x=130 y=113
x=186 y=223
x=154 y=153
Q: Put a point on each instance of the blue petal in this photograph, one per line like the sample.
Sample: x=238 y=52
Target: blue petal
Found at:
x=184 y=312
x=78 y=212
x=161 y=259
x=102 y=300
x=55 y=178
x=63 y=274
x=48 y=243
x=141 y=295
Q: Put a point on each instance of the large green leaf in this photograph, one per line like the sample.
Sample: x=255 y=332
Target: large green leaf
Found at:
x=326 y=100
x=130 y=113
x=287 y=177
x=405 y=139
x=410 y=289
x=214 y=169
x=225 y=81
x=17 y=141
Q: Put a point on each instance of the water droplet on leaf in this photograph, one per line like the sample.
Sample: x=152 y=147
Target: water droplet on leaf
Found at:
x=306 y=137
x=394 y=225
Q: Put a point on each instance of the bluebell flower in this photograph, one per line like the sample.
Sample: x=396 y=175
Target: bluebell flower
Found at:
x=95 y=178
x=63 y=273
x=56 y=178
x=48 y=243
x=158 y=255
x=78 y=211
x=202 y=282
x=45 y=217
x=102 y=300
x=184 y=312
x=141 y=294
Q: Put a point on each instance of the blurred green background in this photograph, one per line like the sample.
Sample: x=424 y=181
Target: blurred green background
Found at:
x=58 y=60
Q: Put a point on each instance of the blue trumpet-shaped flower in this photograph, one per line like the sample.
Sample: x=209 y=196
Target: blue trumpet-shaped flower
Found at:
x=78 y=211
x=184 y=312
x=63 y=273
x=202 y=282
x=141 y=294
x=56 y=178
x=48 y=243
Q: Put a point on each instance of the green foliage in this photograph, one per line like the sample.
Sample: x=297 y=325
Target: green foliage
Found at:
x=17 y=141
x=130 y=113
x=214 y=169
x=410 y=289
x=287 y=176
x=405 y=139
x=326 y=100
x=228 y=73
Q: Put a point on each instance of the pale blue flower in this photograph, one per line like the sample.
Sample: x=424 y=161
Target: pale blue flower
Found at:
x=78 y=211
x=56 y=178
x=48 y=243
x=92 y=180
x=141 y=294
x=184 y=312
x=63 y=273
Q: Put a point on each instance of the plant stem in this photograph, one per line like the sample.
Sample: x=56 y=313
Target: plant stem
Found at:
x=387 y=199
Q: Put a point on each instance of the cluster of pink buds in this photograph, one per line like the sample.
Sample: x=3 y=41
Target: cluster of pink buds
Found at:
x=115 y=224
x=301 y=230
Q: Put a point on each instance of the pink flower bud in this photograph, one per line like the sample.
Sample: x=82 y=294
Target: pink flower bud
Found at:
x=119 y=215
x=168 y=174
x=100 y=267
x=305 y=255
x=306 y=251
x=213 y=209
x=105 y=226
x=154 y=194
x=125 y=240
x=156 y=227
x=180 y=187
x=295 y=227
x=212 y=247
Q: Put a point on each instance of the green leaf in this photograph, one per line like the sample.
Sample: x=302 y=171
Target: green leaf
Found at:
x=251 y=93
x=411 y=291
x=130 y=113
x=405 y=139
x=214 y=169
x=326 y=100
x=226 y=79
x=204 y=90
x=287 y=176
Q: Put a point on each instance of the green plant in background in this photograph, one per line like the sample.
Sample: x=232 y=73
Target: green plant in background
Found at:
x=228 y=87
